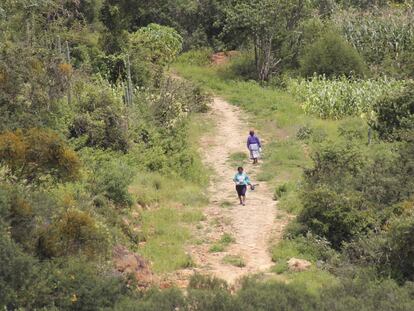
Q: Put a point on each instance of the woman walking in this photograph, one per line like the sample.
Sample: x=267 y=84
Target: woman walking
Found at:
x=242 y=181
x=254 y=146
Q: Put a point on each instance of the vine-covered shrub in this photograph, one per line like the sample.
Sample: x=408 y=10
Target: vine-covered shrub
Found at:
x=36 y=154
x=71 y=233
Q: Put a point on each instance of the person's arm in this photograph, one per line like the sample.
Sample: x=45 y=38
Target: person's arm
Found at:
x=248 y=143
x=235 y=178
x=247 y=180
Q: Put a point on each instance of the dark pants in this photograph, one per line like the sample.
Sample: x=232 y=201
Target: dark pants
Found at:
x=241 y=190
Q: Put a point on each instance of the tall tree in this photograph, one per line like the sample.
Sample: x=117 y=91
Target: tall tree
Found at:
x=271 y=27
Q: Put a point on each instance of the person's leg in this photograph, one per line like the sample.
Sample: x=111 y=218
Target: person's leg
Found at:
x=244 y=195
x=239 y=193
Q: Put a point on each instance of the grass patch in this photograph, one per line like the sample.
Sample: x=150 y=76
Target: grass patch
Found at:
x=193 y=216
x=280 y=267
x=220 y=246
x=238 y=159
x=226 y=204
x=227 y=239
x=234 y=260
x=313 y=280
x=216 y=248
x=165 y=240
x=172 y=205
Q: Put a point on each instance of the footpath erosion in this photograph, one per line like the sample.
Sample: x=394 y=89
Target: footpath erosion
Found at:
x=254 y=226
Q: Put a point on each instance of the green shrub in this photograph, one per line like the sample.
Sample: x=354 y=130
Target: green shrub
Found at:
x=304 y=133
x=366 y=295
x=242 y=66
x=19 y=276
x=280 y=191
x=395 y=115
x=400 y=249
x=332 y=56
x=275 y=296
x=154 y=300
x=78 y=285
x=336 y=217
x=209 y=293
x=200 y=57
x=100 y=116
x=36 y=155
x=111 y=176
x=74 y=232
x=199 y=281
x=227 y=239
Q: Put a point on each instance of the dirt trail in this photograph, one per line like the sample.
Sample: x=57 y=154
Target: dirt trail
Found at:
x=253 y=225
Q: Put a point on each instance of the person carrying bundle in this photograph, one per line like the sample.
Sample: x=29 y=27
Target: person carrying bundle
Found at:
x=254 y=146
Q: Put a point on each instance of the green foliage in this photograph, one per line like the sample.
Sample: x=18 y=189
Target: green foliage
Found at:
x=72 y=233
x=379 y=35
x=335 y=217
x=342 y=97
x=234 y=260
x=112 y=179
x=346 y=194
x=158 y=44
x=100 y=117
x=256 y=295
x=367 y=295
x=242 y=66
x=270 y=25
x=78 y=285
x=33 y=83
x=36 y=154
x=199 y=57
x=18 y=274
x=332 y=56
x=394 y=115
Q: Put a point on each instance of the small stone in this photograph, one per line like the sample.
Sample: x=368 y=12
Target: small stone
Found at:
x=298 y=265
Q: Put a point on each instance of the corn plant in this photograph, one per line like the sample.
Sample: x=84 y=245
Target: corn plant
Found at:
x=378 y=34
x=341 y=97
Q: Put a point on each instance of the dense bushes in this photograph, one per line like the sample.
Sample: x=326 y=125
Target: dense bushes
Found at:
x=35 y=155
x=73 y=232
x=351 y=191
x=394 y=115
x=332 y=56
x=338 y=218
x=100 y=116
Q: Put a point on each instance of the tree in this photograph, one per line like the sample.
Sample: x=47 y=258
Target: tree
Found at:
x=332 y=56
x=157 y=44
x=270 y=25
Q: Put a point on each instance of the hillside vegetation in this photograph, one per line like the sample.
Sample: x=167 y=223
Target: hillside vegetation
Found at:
x=99 y=140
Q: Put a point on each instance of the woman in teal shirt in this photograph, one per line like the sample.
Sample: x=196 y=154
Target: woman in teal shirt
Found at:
x=242 y=181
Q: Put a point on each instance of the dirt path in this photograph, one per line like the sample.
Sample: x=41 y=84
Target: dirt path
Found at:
x=253 y=225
